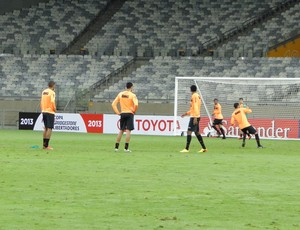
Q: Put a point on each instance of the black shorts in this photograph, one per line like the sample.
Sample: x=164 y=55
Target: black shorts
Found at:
x=249 y=129
x=218 y=122
x=194 y=127
x=48 y=119
x=126 y=121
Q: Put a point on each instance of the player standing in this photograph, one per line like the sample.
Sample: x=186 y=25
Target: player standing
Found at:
x=239 y=115
x=129 y=104
x=194 y=112
x=218 y=121
x=48 y=109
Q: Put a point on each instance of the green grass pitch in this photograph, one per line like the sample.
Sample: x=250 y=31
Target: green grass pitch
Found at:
x=84 y=184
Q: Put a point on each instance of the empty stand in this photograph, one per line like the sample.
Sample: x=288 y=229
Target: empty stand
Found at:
x=51 y=25
x=26 y=76
x=163 y=27
x=256 y=42
x=155 y=81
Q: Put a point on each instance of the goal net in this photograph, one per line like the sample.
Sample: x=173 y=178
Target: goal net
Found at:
x=275 y=104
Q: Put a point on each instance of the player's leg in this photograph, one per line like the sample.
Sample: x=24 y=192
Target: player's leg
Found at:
x=188 y=139
x=122 y=130
x=188 y=136
x=214 y=126
x=223 y=132
x=244 y=138
x=249 y=135
x=200 y=139
x=118 y=140
x=188 y=142
x=221 y=128
x=129 y=127
x=45 y=129
x=44 y=136
x=252 y=130
x=198 y=135
x=48 y=133
x=127 y=140
x=49 y=124
x=240 y=134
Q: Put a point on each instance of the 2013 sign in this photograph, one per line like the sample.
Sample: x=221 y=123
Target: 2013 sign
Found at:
x=27 y=120
x=94 y=123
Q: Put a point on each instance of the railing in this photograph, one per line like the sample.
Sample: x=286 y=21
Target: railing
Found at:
x=292 y=36
x=80 y=98
x=109 y=76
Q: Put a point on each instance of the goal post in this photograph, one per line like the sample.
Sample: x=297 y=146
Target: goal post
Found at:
x=275 y=104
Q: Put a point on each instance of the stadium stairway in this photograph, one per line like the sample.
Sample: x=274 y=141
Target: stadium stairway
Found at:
x=94 y=26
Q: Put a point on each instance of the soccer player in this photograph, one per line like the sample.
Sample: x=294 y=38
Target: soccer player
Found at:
x=218 y=121
x=48 y=109
x=194 y=112
x=239 y=115
x=129 y=105
x=243 y=105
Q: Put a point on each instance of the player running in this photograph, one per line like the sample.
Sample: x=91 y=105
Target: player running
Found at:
x=194 y=112
x=239 y=115
x=129 y=105
x=218 y=121
x=48 y=109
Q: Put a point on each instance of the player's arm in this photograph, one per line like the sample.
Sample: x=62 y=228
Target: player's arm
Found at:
x=247 y=110
x=114 y=105
x=53 y=102
x=216 y=111
x=41 y=104
x=185 y=114
x=135 y=104
x=232 y=121
x=196 y=110
x=188 y=112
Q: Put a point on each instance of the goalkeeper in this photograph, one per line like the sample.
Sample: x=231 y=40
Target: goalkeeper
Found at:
x=239 y=115
x=194 y=113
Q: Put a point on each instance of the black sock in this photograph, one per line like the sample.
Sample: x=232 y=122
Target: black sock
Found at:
x=215 y=128
x=244 y=136
x=116 y=145
x=257 y=139
x=188 y=141
x=126 y=145
x=46 y=142
x=199 y=137
x=222 y=131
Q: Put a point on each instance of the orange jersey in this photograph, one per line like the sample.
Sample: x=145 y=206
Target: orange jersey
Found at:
x=239 y=115
x=128 y=102
x=48 y=101
x=218 y=111
x=195 y=106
